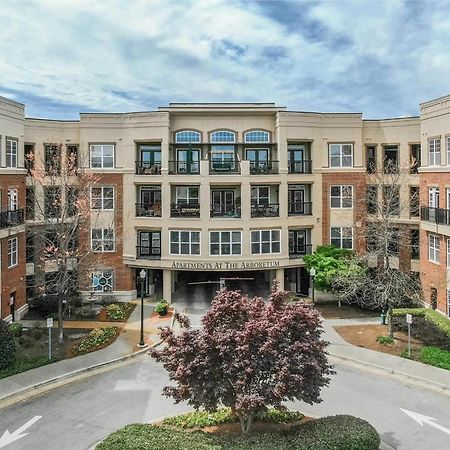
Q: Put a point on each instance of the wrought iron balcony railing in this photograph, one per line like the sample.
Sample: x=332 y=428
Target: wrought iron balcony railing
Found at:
x=224 y=167
x=299 y=250
x=185 y=210
x=184 y=167
x=11 y=218
x=225 y=210
x=299 y=208
x=303 y=166
x=265 y=210
x=263 y=167
x=437 y=215
x=148 y=168
x=148 y=209
x=146 y=252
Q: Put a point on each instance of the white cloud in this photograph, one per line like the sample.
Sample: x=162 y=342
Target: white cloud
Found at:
x=380 y=58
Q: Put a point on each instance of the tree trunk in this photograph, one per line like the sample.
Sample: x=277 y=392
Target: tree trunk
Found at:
x=246 y=422
x=60 y=321
x=391 y=323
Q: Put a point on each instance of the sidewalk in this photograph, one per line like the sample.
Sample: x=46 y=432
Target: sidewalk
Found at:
x=124 y=346
x=414 y=370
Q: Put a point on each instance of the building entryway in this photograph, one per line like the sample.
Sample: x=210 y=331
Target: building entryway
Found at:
x=196 y=290
x=153 y=284
x=297 y=281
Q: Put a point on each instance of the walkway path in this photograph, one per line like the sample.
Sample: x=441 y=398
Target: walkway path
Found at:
x=123 y=346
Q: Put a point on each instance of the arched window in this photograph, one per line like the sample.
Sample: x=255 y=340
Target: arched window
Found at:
x=257 y=136
x=187 y=136
x=223 y=136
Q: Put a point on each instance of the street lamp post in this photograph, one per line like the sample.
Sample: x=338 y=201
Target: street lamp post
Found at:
x=142 y=275
x=312 y=272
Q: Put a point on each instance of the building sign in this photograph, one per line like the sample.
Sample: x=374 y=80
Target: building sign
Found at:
x=243 y=265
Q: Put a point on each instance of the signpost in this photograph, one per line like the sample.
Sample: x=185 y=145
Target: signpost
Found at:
x=49 y=326
x=409 y=322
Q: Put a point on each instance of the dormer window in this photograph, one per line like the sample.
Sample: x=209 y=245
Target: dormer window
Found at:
x=223 y=136
x=256 y=136
x=187 y=137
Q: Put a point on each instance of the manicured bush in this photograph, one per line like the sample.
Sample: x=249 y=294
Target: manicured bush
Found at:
x=97 y=338
x=435 y=357
x=7 y=345
x=22 y=365
x=85 y=312
x=429 y=326
x=16 y=329
x=200 y=419
x=44 y=304
x=385 y=340
x=329 y=433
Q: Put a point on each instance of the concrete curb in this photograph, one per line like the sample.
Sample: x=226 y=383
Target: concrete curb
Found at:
x=423 y=381
x=71 y=375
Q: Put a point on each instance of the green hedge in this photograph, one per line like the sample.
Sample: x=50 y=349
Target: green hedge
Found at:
x=329 y=433
x=429 y=326
x=20 y=365
x=200 y=419
x=97 y=338
x=435 y=357
x=7 y=345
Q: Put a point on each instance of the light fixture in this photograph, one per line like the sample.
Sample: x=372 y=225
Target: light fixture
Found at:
x=312 y=272
x=143 y=274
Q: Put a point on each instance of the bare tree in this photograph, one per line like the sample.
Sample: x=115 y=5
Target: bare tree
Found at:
x=383 y=281
x=62 y=212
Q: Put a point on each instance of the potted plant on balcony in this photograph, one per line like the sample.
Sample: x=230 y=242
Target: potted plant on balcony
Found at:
x=162 y=307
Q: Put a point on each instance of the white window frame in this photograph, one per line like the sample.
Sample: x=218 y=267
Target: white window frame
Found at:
x=342 y=197
x=221 y=243
x=256 y=200
x=340 y=156
x=102 y=155
x=341 y=237
x=13 y=252
x=271 y=242
x=188 y=199
x=258 y=133
x=179 y=243
x=434 y=152
x=103 y=241
x=213 y=140
x=433 y=248
x=433 y=197
x=13 y=200
x=98 y=203
x=108 y=287
x=11 y=152
x=192 y=133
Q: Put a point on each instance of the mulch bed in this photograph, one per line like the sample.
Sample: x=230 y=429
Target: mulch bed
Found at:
x=332 y=311
x=365 y=336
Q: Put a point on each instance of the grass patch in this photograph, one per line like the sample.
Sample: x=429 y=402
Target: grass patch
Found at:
x=20 y=365
x=385 y=340
x=200 y=419
x=435 y=357
x=96 y=339
x=334 y=432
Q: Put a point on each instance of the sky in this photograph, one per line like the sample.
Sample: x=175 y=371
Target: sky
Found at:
x=382 y=58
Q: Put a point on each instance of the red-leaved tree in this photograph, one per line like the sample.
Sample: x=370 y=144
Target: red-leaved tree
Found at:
x=247 y=355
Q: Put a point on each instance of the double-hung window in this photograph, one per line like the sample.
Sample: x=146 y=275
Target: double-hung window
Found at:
x=102 y=155
x=265 y=241
x=13 y=252
x=341 y=196
x=260 y=195
x=433 y=248
x=102 y=197
x=184 y=242
x=341 y=155
x=11 y=152
x=225 y=242
x=342 y=237
x=102 y=239
x=434 y=152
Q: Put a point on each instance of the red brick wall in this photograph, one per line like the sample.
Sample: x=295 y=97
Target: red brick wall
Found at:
x=123 y=275
x=13 y=279
x=357 y=180
x=12 y=182
x=434 y=275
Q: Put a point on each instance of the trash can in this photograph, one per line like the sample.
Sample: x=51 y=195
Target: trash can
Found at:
x=383 y=318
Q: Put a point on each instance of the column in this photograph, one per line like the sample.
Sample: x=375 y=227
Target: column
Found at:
x=167 y=285
x=279 y=276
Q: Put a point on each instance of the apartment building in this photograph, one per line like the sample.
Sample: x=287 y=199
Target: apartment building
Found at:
x=12 y=206
x=196 y=193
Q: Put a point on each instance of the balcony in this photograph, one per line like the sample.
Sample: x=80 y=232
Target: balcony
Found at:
x=184 y=167
x=299 y=208
x=148 y=168
x=185 y=210
x=303 y=166
x=263 y=167
x=224 y=167
x=437 y=215
x=371 y=165
x=11 y=218
x=148 y=209
x=221 y=210
x=265 y=210
x=296 y=251
x=146 y=252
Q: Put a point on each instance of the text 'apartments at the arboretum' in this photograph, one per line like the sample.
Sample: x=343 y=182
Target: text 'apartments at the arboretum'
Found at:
x=198 y=192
